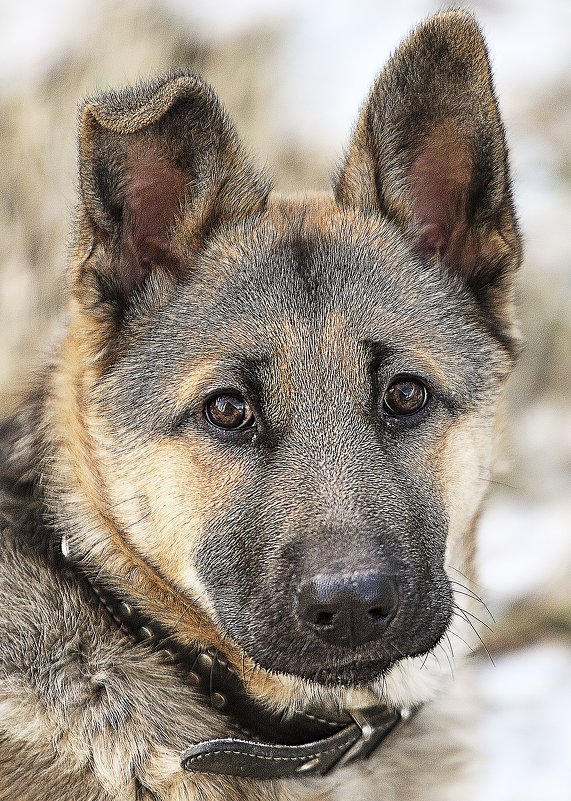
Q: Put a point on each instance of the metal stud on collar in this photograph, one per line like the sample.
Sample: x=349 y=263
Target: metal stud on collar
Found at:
x=204 y=661
x=218 y=700
x=124 y=609
x=308 y=767
x=124 y=614
x=64 y=545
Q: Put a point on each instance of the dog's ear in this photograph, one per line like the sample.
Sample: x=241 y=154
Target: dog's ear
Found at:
x=429 y=152
x=151 y=155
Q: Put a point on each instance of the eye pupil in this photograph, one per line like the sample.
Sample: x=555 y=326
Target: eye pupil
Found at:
x=229 y=412
x=404 y=396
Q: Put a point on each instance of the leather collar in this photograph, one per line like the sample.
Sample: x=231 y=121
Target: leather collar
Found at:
x=299 y=743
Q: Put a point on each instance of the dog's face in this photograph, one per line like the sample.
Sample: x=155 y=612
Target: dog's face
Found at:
x=289 y=403
x=289 y=414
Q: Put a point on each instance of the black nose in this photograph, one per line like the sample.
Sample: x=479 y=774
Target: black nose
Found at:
x=348 y=609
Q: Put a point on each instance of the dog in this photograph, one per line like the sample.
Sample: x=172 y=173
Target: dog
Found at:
x=238 y=511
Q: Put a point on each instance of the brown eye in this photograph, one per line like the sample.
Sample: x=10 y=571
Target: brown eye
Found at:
x=229 y=412
x=405 y=395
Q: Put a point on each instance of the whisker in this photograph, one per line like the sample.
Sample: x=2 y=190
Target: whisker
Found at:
x=480 y=621
x=467 y=644
x=474 y=629
x=182 y=614
x=140 y=520
x=447 y=659
x=468 y=589
x=475 y=597
x=499 y=483
x=125 y=500
x=450 y=645
x=468 y=579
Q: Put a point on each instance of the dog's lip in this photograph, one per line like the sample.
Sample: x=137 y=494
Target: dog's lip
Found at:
x=350 y=669
x=355 y=679
x=350 y=673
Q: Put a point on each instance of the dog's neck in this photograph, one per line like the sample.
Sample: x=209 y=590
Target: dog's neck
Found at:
x=299 y=742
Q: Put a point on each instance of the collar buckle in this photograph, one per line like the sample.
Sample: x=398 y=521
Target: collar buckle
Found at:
x=375 y=723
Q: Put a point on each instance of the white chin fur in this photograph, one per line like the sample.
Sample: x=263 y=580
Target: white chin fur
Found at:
x=411 y=682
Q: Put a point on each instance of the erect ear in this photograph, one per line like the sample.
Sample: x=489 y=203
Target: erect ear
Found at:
x=429 y=152
x=151 y=155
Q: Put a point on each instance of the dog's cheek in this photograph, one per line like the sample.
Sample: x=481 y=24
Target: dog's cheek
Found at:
x=464 y=467
x=165 y=495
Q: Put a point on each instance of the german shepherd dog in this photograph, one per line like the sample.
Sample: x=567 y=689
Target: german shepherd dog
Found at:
x=238 y=512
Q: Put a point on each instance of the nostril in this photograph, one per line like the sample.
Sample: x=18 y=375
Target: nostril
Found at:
x=384 y=606
x=379 y=613
x=322 y=618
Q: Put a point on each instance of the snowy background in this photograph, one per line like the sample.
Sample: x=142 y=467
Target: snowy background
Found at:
x=293 y=74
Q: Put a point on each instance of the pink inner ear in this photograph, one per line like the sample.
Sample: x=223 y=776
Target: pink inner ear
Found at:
x=431 y=238
x=439 y=180
x=152 y=201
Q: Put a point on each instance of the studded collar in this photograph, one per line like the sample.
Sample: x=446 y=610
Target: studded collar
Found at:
x=301 y=743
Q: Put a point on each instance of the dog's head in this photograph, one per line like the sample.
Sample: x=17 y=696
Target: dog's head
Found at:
x=284 y=407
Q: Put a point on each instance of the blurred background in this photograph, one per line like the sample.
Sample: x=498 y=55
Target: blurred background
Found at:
x=293 y=74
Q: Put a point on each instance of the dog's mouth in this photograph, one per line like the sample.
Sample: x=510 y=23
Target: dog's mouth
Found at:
x=353 y=671
x=353 y=674
x=311 y=660
x=345 y=624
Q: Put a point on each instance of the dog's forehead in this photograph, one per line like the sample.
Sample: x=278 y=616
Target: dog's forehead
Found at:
x=300 y=304
x=312 y=277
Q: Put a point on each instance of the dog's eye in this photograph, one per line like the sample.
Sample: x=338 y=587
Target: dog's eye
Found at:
x=229 y=412
x=405 y=395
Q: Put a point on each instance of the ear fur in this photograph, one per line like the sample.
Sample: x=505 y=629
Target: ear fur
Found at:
x=150 y=155
x=429 y=152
